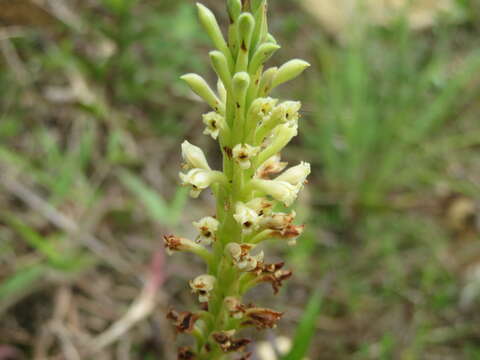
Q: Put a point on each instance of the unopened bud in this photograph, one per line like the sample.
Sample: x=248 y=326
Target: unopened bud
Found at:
x=200 y=87
x=289 y=71
x=220 y=65
x=262 y=54
x=210 y=24
x=234 y=9
x=193 y=157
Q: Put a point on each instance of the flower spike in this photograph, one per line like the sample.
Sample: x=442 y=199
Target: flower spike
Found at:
x=252 y=128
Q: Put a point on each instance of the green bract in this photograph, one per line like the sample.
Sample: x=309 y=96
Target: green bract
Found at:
x=251 y=129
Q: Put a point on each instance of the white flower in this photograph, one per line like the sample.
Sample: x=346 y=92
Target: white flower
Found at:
x=214 y=122
x=261 y=206
x=280 y=190
x=273 y=165
x=246 y=217
x=287 y=112
x=207 y=227
x=240 y=254
x=278 y=221
x=200 y=179
x=295 y=175
x=203 y=285
x=242 y=153
x=262 y=107
x=193 y=157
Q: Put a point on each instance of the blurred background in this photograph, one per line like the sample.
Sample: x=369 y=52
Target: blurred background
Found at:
x=92 y=114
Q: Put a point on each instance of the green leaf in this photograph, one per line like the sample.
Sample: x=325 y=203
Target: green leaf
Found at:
x=20 y=281
x=306 y=329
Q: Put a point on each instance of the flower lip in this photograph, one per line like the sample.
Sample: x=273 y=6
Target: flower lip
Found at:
x=214 y=123
x=207 y=228
x=246 y=217
x=242 y=153
x=203 y=285
x=200 y=179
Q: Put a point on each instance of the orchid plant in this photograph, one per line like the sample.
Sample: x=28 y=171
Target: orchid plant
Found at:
x=251 y=128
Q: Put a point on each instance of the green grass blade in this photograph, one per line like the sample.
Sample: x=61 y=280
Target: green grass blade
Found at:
x=306 y=327
x=157 y=207
x=20 y=281
x=35 y=240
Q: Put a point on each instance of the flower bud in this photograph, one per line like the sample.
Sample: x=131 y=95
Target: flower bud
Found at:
x=220 y=65
x=234 y=9
x=246 y=217
x=214 y=122
x=266 y=81
x=271 y=166
x=246 y=23
x=281 y=136
x=200 y=87
x=279 y=190
x=295 y=175
x=207 y=227
x=213 y=30
x=241 y=82
x=222 y=92
x=193 y=157
x=289 y=71
x=242 y=153
x=200 y=179
x=203 y=285
x=262 y=54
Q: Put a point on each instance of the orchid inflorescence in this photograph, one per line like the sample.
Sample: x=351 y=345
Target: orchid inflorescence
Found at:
x=252 y=129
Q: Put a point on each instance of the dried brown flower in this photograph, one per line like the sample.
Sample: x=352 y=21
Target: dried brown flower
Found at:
x=226 y=342
x=184 y=353
x=183 y=321
x=262 y=318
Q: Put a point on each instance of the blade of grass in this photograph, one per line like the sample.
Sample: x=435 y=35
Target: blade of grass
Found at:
x=306 y=328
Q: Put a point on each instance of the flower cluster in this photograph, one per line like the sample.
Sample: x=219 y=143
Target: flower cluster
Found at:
x=251 y=128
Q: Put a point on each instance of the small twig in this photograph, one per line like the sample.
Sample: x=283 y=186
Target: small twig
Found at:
x=69 y=350
x=141 y=308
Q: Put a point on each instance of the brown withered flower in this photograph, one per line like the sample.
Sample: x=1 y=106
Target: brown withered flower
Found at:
x=185 y=353
x=183 y=321
x=247 y=356
x=275 y=279
x=226 y=342
x=262 y=318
